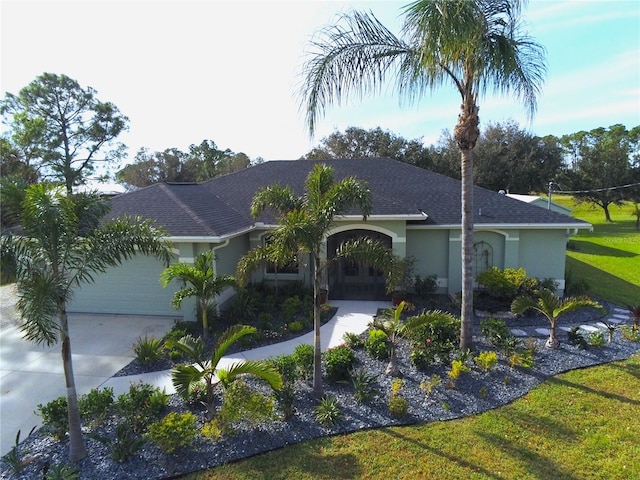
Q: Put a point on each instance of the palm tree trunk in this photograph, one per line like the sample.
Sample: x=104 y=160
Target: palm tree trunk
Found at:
x=77 y=449
x=317 y=347
x=205 y=321
x=552 y=341
x=466 y=134
x=392 y=368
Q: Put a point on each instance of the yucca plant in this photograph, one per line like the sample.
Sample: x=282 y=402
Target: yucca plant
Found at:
x=552 y=307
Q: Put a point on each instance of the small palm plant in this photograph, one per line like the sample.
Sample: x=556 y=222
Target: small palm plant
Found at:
x=395 y=328
x=186 y=377
x=198 y=280
x=552 y=307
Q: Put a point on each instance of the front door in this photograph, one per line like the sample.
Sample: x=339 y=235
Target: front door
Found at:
x=349 y=280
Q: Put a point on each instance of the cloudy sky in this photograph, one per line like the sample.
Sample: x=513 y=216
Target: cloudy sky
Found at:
x=185 y=71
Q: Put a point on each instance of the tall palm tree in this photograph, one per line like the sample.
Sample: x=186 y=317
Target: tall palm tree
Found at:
x=552 y=307
x=61 y=244
x=185 y=377
x=198 y=280
x=474 y=45
x=304 y=223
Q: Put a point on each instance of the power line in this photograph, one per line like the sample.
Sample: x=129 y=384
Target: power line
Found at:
x=595 y=189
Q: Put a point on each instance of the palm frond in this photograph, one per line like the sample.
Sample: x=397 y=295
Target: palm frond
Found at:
x=280 y=199
x=228 y=338
x=192 y=347
x=257 y=368
x=185 y=377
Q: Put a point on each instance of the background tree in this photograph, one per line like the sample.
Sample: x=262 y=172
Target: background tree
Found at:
x=303 y=225
x=474 y=45
x=601 y=160
x=65 y=127
x=14 y=165
x=201 y=163
x=200 y=281
x=63 y=244
x=509 y=158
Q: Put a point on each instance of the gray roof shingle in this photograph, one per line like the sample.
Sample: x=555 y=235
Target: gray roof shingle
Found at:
x=220 y=207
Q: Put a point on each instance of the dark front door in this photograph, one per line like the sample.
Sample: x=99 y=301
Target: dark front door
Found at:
x=350 y=280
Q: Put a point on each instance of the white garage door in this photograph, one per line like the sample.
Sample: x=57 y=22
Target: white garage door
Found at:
x=132 y=288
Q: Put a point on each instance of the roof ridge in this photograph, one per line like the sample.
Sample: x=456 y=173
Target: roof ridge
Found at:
x=186 y=208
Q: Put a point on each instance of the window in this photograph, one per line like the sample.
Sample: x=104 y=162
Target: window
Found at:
x=291 y=267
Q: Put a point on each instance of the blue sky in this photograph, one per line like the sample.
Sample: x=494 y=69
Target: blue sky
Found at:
x=228 y=71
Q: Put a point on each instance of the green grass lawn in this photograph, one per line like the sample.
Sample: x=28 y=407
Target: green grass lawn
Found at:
x=609 y=257
x=579 y=425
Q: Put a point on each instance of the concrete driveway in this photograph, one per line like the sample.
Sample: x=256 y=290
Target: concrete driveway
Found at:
x=31 y=374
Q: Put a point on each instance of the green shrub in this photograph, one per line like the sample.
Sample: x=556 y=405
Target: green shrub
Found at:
x=125 y=443
x=495 y=332
x=425 y=286
x=141 y=405
x=486 y=360
x=61 y=471
x=241 y=402
x=436 y=339
x=428 y=385
x=629 y=333
x=197 y=394
x=212 y=430
x=265 y=320
x=296 y=326
x=286 y=366
x=521 y=358
x=364 y=385
x=174 y=431
x=398 y=406
x=457 y=368
x=303 y=355
x=290 y=307
x=506 y=284
x=285 y=398
x=243 y=306
x=596 y=339
x=576 y=338
x=55 y=416
x=96 y=404
x=376 y=344
x=328 y=411
x=352 y=340
x=338 y=363
x=148 y=350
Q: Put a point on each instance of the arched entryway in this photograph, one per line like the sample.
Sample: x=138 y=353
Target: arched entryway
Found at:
x=350 y=280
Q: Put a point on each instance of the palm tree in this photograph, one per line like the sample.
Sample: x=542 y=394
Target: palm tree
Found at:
x=474 y=45
x=186 y=377
x=61 y=244
x=304 y=223
x=395 y=328
x=552 y=307
x=200 y=281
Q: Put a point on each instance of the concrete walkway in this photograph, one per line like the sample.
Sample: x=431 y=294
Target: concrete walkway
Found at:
x=101 y=346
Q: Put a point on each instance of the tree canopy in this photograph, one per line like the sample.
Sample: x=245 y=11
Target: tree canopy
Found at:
x=62 y=129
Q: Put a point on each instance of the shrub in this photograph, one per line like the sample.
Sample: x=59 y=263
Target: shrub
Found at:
x=212 y=430
x=457 y=368
x=290 y=307
x=575 y=285
x=596 y=339
x=376 y=344
x=148 y=350
x=575 y=338
x=286 y=366
x=425 y=286
x=137 y=406
x=244 y=402
x=243 y=306
x=55 y=416
x=61 y=471
x=197 y=394
x=436 y=339
x=174 y=431
x=125 y=443
x=521 y=358
x=265 y=320
x=303 y=355
x=353 y=340
x=397 y=405
x=486 y=360
x=629 y=333
x=285 y=398
x=495 y=331
x=296 y=326
x=96 y=404
x=338 y=363
x=364 y=385
x=428 y=385
x=328 y=411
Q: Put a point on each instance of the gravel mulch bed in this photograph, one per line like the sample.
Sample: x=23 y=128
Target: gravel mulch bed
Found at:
x=476 y=391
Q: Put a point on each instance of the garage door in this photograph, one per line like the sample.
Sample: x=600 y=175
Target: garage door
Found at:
x=132 y=288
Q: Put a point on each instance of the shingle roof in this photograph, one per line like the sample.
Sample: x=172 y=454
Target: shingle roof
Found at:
x=220 y=206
